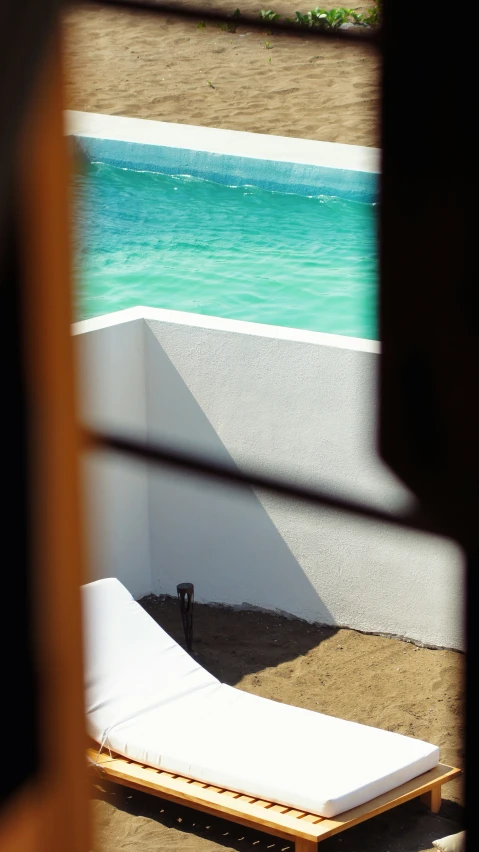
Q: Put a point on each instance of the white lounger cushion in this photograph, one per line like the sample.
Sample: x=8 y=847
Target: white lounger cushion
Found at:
x=148 y=700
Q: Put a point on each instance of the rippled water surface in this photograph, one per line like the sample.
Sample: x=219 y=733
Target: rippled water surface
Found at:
x=238 y=252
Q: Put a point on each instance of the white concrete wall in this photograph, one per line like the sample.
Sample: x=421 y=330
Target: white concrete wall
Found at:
x=299 y=403
x=307 y=410
x=112 y=391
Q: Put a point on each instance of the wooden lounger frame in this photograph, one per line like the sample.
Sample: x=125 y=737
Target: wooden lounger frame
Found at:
x=305 y=830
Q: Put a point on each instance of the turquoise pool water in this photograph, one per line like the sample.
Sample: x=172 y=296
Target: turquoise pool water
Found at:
x=238 y=252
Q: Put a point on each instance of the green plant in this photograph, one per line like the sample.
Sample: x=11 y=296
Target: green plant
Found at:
x=268 y=45
x=337 y=17
x=318 y=18
x=200 y=25
x=269 y=15
x=300 y=19
x=323 y=18
x=373 y=17
x=331 y=19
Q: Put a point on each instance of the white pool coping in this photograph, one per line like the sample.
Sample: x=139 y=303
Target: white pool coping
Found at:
x=256 y=329
x=213 y=140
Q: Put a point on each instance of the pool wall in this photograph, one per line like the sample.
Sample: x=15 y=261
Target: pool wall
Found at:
x=301 y=166
x=298 y=403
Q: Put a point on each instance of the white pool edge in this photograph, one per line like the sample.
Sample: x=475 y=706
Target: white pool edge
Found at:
x=260 y=146
x=256 y=329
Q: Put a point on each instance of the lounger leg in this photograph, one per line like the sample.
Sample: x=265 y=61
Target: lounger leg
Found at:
x=305 y=845
x=432 y=799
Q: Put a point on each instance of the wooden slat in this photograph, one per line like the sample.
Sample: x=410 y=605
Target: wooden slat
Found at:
x=312 y=818
x=276 y=819
x=224 y=804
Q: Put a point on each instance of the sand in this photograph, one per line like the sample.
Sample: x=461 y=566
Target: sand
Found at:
x=371 y=679
x=161 y=68
x=122 y=63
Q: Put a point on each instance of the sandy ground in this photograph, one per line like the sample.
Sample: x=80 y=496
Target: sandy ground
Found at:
x=370 y=679
x=161 y=68
x=131 y=64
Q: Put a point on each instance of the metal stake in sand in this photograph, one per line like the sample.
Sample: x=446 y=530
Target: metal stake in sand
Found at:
x=186 y=594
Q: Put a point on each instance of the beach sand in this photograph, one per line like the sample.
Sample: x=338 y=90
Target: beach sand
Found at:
x=123 y=63
x=370 y=679
x=161 y=68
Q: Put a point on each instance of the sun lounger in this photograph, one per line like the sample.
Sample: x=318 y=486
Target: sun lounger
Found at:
x=163 y=724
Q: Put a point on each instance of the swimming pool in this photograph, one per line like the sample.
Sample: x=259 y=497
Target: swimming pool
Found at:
x=238 y=251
